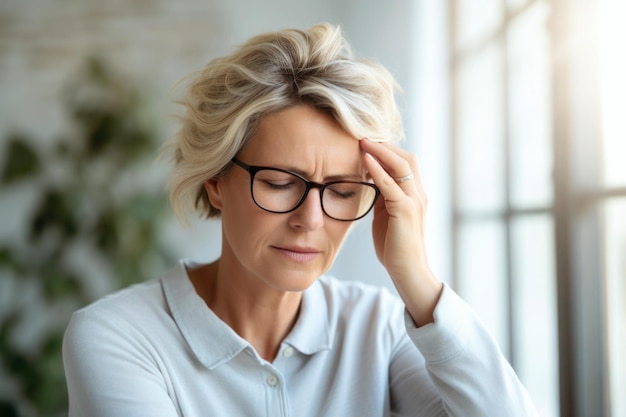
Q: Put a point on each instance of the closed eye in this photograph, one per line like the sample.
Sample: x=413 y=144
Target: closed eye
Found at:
x=342 y=194
x=279 y=186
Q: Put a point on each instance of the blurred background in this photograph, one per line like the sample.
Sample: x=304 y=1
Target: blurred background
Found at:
x=515 y=107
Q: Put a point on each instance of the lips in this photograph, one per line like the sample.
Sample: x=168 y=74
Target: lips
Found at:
x=298 y=254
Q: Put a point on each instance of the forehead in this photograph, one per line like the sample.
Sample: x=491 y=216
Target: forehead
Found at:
x=303 y=136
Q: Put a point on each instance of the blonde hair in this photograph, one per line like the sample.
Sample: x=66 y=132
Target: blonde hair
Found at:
x=230 y=95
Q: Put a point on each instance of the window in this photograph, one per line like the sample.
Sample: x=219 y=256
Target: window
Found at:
x=538 y=148
x=612 y=56
x=502 y=188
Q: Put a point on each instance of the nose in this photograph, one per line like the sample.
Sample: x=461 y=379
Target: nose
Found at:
x=309 y=216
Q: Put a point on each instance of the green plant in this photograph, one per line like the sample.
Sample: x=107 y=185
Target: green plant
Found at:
x=96 y=217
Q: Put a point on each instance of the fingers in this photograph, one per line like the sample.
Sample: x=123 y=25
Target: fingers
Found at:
x=387 y=185
x=393 y=159
x=392 y=168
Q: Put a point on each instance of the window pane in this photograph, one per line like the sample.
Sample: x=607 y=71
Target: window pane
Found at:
x=482 y=275
x=476 y=19
x=480 y=140
x=534 y=310
x=613 y=68
x=530 y=109
x=615 y=267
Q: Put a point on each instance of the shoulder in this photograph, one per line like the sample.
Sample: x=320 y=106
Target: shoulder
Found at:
x=140 y=309
x=129 y=304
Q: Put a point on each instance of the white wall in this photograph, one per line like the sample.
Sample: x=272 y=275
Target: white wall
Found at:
x=156 y=42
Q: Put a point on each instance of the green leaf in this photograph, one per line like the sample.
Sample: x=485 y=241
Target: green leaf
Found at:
x=8 y=409
x=106 y=232
x=49 y=392
x=102 y=135
x=55 y=211
x=6 y=257
x=7 y=326
x=21 y=160
x=58 y=283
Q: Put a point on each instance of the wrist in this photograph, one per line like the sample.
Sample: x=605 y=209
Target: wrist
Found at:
x=420 y=292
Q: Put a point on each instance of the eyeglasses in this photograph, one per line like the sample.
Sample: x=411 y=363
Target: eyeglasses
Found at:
x=280 y=191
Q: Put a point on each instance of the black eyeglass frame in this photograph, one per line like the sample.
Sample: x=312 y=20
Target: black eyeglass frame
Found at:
x=253 y=169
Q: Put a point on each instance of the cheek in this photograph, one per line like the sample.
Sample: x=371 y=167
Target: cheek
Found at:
x=245 y=225
x=240 y=218
x=337 y=233
x=235 y=200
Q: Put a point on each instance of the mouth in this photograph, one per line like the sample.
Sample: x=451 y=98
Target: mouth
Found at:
x=298 y=254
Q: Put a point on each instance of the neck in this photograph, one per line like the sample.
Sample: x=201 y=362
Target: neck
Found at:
x=258 y=313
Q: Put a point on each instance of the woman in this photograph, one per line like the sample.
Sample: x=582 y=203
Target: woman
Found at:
x=289 y=141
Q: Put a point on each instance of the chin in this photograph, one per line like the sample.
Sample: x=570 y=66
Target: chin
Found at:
x=296 y=281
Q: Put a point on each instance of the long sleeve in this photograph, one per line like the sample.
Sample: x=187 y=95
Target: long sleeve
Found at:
x=111 y=370
x=469 y=372
x=155 y=349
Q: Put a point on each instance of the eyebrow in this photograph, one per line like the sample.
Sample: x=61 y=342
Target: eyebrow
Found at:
x=336 y=177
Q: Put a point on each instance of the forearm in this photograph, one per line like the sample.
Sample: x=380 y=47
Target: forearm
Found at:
x=466 y=365
x=420 y=291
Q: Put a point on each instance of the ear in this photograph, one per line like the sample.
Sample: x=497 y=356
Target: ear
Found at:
x=213 y=192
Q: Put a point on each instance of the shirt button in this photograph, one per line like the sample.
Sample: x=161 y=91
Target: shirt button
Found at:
x=272 y=381
x=288 y=352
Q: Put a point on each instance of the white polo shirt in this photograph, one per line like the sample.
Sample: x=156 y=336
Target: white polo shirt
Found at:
x=155 y=349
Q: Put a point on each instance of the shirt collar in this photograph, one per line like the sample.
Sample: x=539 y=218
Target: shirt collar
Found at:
x=214 y=342
x=312 y=333
x=211 y=340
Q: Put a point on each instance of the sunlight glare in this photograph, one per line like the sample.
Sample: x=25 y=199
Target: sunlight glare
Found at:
x=612 y=32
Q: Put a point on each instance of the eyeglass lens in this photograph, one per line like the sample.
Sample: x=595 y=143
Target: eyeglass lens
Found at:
x=280 y=192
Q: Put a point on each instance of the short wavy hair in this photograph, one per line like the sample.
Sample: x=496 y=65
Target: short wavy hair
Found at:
x=226 y=99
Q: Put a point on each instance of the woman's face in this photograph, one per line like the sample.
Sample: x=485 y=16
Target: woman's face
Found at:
x=288 y=251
